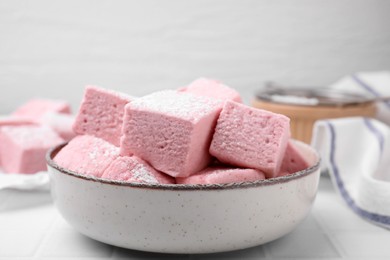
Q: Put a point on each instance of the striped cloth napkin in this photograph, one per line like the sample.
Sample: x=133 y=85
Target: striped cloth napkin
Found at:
x=369 y=84
x=356 y=151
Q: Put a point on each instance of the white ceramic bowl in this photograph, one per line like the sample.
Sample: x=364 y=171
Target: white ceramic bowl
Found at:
x=184 y=218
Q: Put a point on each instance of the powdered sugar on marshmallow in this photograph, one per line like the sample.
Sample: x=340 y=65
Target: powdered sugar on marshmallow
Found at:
x=170 y=103
x=23 y=148
x=87 y=155
x=134 y=169
x=172 y=131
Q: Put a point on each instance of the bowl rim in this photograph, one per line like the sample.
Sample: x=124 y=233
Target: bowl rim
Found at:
x=179 y=187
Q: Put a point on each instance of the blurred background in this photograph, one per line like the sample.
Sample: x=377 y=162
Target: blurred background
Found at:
x=54 y=48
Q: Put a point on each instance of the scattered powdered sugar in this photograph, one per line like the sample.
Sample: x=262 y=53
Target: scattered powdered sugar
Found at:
x=31 y=136
x=111 y=151
x=102 y=150
x=92 y=155
x=142 y=174
x=173 y=103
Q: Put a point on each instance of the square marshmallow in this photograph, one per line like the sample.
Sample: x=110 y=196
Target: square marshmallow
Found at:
x=101 y=114
x=251 y=138
x=171 y=130
x=23 y=148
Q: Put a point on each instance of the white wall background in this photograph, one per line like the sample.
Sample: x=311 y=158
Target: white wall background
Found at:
x=53 y=48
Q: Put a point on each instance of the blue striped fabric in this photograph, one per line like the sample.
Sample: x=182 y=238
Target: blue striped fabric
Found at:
x=382 y=220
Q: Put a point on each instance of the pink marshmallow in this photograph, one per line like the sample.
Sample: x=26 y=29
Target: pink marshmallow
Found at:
x=62 y=124
x=213 y=175
x=170 y=130
x=134 y=169
x=23 y=148
x=101 y=114
x=212 y=88
x=251 y=138
x=15 y=121
x=293 y=161
x=36 y=108
x=87 y=155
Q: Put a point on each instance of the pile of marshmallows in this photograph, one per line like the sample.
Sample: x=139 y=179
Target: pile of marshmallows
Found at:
x=29 y=131
x=199 y=134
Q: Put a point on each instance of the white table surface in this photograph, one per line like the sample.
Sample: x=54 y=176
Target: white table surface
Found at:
x=31 y=228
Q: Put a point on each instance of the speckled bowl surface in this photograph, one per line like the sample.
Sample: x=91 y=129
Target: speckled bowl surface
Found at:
x=178 y=218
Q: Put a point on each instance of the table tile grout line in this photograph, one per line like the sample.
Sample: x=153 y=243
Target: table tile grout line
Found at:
x=340 y=250
x=268 y=255
x=112 y=251
x=329 y=233
x=4 y=202
x=38 y=251
x=55 y=221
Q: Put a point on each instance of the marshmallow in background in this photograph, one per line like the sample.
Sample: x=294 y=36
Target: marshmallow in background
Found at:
x=61 y=123
x=34 y=109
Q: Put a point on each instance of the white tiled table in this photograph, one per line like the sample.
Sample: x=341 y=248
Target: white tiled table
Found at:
x=31 y=228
